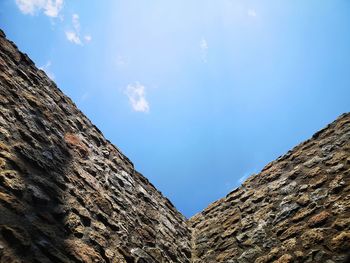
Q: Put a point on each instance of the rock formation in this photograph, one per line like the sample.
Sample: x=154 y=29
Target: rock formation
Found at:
x=68 y=195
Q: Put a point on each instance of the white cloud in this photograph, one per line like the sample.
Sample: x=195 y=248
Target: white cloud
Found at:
x=50 y=8
x=76 y=23
x=203 y=45
x=137 y=97
x=87 y=38
x=251 y=12
x=53 y=8
x=46 y=68
x=73 y=37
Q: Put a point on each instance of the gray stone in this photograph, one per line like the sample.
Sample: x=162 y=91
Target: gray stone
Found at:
x=336 y=168
x=313 y=161
x=288 y=188
x=286 y=211
x=318 y=194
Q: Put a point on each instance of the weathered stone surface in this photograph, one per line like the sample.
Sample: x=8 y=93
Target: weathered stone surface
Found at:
x=286 y=258
x=319 y=219
x=311 y=237
x=341 y=241
x=68 y=195
x=298 y=212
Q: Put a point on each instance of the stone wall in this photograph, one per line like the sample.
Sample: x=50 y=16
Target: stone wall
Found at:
x=68 y=195
x=296 y=210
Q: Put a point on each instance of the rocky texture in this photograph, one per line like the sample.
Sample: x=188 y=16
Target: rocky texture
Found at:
x=296 y=210
x=68 y=195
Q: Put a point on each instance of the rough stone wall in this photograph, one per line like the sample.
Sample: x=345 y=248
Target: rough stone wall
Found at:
x=296 y=210
x=66 y=193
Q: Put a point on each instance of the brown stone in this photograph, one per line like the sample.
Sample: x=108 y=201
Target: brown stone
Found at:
x=286 y=258
x=311 y=237
x=314 y=172
x=299 y=254
x=230 y=232
x=337 y=157
x=341 y=242
x=12 y=180
x=303 y=213
x=341 y=223
x=82 y=252
x=289 y=245
x=75 y=142
x=303 y=200
x=227 y=254
x=340 y=207
x=292 y=232
x=319 y=219
x=4 y=147
x=318 y=181
x=269 y=257
x=231 y=220
x=337 y=183
x=2 y=163
x=259 y=195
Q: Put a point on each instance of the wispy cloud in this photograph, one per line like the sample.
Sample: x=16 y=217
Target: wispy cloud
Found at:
x=246 y=175
x=73 y=35
x=75 y=22
x=88 y=38
x=251 y=12
x=47 y=70
x=137 y=97
x=203 y=45
x=50 y=8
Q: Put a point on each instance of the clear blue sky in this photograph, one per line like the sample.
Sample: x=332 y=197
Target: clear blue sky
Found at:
x=198 y=94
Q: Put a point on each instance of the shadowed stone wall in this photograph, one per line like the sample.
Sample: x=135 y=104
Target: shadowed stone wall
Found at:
x=68 y=195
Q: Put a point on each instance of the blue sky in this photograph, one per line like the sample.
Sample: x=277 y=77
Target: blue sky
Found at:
x=198 y=94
